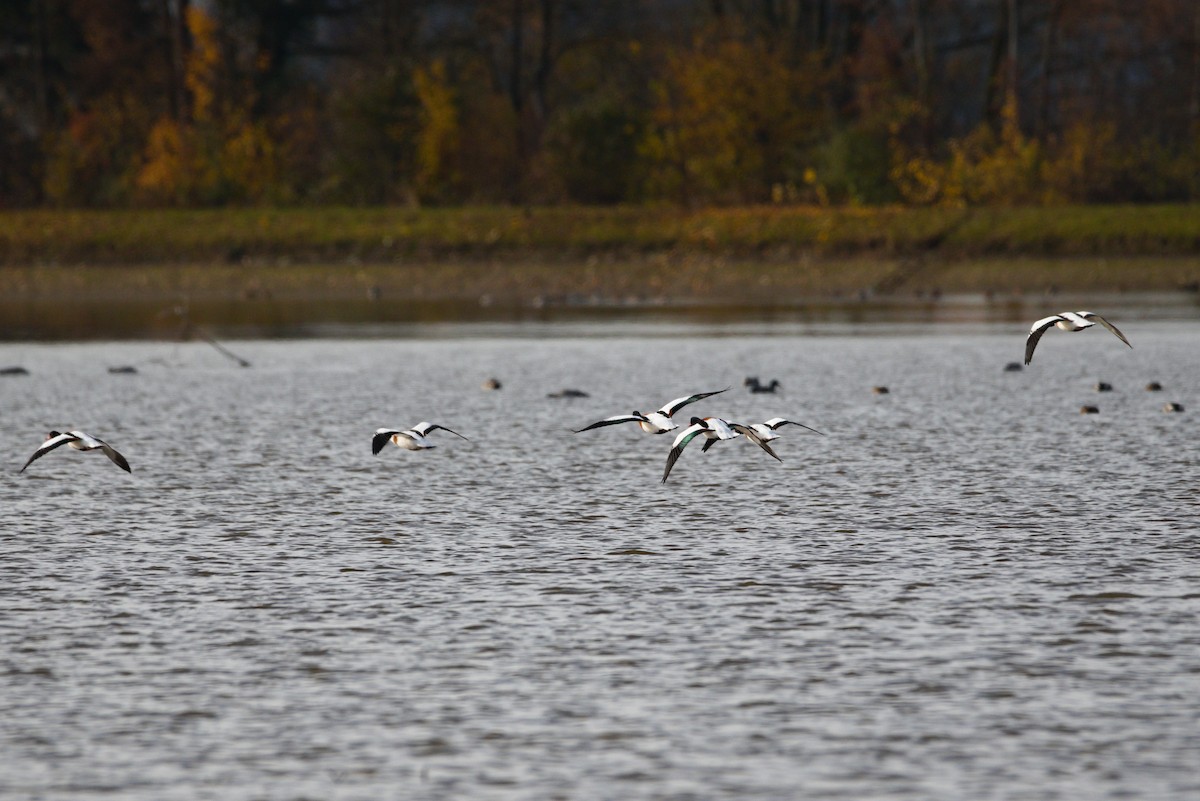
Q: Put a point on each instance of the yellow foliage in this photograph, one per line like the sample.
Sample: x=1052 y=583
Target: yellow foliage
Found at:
x=89 y=161
x=439 y=130
x=983 y=167
x=203 y=63
x=217 y=155
x=1076 y=166
x=166 y=162
x=249 y=161
x=729 y=119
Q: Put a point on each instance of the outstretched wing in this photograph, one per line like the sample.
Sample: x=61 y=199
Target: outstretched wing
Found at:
x=47 y=446
x=612 y=421
x=423 y=428
x=776 y=422
x=669 y=409
x=753 y=436
x=381 y=438
x=116 y=458
x=1093 y=316
x=708 y=443
x=1035 y=334
x=681 y=441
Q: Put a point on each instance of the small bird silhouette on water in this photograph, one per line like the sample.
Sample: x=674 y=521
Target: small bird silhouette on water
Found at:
x=757 y=386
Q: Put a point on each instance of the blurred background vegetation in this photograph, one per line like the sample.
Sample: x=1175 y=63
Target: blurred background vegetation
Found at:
x=137 y=103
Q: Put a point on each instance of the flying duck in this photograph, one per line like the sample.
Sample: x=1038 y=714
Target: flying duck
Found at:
x=765 y=431
x=659 y=422
x=1067 y=321
x=80 y=442
x=413 y=439
x=713 y=429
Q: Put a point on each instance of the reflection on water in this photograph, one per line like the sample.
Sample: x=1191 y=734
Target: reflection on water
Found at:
x=966 y=589
x=53 y=318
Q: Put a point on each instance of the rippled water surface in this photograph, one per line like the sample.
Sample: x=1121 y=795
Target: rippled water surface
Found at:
x=965 y=590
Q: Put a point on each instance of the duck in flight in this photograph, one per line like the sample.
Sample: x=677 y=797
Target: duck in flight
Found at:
x=80 y=442
x=659 y=422
x=714 y=430
x=766 y=431
x=412 y=439
x=1067 y=321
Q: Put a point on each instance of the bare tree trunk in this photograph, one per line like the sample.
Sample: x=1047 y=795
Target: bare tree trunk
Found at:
x=1194 y=104
x=174 y=23
x=1048 y=45
x=516 y=89
x=994 y=101
x=921 y=52
x=545 y=63
x=41 y=81
x=1014 y=72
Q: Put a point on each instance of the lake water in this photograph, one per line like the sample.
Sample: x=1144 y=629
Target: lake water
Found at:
x=965 y=590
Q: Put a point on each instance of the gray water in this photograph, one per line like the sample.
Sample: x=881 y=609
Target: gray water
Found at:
x=966 y=589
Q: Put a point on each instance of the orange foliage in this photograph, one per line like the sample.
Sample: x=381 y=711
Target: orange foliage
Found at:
x=219 y=154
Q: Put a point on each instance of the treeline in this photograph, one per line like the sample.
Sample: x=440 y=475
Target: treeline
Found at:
x=700 y=102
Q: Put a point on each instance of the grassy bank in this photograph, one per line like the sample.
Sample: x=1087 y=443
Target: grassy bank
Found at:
x=383 y=234
x=758 y=254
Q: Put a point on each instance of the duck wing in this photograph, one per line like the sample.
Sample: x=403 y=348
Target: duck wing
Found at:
x=381 y=438
x=754 y=437
x=49 y=445
x=423 y=428
x=670 y=408
x=1087 y=315
x=775 y=423
x=1035 y=334
x=681 y=441
x=114 y=456
x=612 y=421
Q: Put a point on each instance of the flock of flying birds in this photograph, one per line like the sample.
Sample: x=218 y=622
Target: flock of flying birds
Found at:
x=712 y=429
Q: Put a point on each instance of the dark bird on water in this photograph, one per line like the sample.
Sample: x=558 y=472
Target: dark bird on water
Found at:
x=756 y=386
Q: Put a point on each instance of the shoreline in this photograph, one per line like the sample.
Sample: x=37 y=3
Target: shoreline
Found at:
x=649 y=280
x=95 y=273
x=567 y=234
x=164 y=312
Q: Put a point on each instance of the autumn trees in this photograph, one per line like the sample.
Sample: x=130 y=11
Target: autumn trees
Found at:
x=200 y=102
